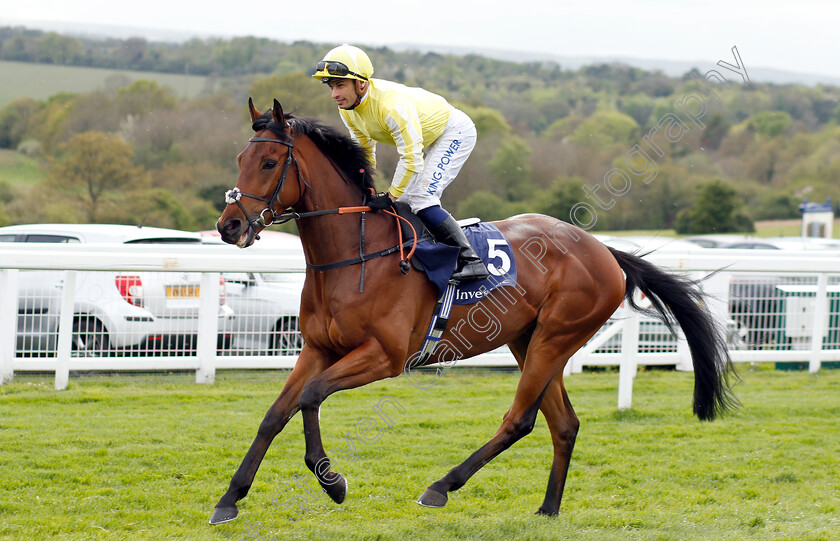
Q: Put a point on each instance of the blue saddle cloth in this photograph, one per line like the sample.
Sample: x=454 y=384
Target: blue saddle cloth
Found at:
x=439 y=261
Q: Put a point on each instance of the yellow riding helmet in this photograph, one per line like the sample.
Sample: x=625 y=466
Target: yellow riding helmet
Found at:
x=344 y=62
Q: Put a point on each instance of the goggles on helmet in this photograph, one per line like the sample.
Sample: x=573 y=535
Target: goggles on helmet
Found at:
x=338 y=69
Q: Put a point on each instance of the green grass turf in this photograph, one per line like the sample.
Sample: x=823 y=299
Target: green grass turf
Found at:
x=763 y=229
x=135 y=458
x=17 y=169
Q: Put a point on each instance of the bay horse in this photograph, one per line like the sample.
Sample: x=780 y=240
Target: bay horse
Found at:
x=568 y=285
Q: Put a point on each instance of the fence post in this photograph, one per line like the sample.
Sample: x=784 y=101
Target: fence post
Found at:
x=208 y=328
x=716 y=292
x=65 y=331
x=820 y=316
x=8 y=322
x=629 y=353
x=684 y=362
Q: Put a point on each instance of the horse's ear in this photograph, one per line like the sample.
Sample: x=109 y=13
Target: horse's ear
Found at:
x=277 y=113
x=254 y=113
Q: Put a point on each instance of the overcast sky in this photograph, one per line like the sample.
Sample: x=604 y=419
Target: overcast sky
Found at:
x=798 y=36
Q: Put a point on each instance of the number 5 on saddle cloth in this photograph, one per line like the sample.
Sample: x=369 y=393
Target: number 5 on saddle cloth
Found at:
x=439 y=261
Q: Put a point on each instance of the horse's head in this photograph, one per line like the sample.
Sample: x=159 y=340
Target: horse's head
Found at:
x=263 y=190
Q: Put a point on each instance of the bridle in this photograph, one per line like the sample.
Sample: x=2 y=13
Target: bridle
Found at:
x=234 y=195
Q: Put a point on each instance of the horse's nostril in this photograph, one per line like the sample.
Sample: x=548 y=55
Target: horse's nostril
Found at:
x=229 y=230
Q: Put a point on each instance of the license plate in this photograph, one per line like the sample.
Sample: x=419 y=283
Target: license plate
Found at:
x=179 y=292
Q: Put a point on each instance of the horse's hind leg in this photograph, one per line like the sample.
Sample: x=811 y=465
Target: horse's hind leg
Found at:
x=537 y=373
x=563 y=425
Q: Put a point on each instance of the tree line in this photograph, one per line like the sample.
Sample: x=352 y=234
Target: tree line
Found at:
x=605 y=146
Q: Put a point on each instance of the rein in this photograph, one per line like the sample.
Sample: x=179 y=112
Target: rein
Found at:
x=234 y=196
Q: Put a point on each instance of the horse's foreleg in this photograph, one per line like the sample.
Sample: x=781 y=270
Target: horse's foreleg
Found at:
x=283 y=409
x=363 y=365
x=563 y=424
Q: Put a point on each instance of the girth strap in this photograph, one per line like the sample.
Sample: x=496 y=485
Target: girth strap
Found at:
x=360 y=259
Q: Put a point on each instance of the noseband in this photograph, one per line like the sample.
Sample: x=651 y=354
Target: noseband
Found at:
x=234 y=195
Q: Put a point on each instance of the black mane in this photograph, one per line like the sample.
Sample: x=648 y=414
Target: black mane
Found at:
x=346 y=153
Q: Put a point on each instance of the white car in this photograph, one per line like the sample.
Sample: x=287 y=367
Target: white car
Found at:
x=143 y=312
x=654 y=335
x=787 y=243
x=722 y=240
x=645 y=244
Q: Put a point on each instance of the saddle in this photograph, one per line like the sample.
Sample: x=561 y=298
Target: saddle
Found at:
x=423 y=234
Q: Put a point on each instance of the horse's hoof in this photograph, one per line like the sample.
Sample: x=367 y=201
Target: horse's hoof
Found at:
x=546 y=513
x=338 y=490
x=433 y=498
x=223 y=514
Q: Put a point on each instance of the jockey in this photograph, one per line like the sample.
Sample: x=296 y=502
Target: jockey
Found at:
x=433 y=139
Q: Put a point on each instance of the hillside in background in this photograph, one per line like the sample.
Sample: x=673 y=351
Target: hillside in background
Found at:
x=606 y=146
x=40 y=81
x=668 y=67
x=673 y=68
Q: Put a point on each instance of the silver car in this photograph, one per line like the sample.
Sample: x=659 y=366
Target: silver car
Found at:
x=265 y=305
x=265 y=308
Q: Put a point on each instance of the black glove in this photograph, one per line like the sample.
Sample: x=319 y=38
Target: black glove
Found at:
x=379 y=201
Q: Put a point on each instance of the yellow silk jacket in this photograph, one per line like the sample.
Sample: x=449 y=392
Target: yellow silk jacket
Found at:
x=401 y=116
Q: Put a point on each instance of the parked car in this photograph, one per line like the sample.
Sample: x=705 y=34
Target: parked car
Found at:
x=134 y=311
x=645 y=244
x=722 y=240
x=654 y=336
x=266 y=308
x=787 y=243
x=265 y=305
x=619 y=243
x=755 y=302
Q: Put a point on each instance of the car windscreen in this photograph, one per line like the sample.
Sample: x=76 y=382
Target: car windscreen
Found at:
x=165 y=240
x=62 y=239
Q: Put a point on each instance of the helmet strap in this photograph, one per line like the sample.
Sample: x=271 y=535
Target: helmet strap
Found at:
x=359 y=95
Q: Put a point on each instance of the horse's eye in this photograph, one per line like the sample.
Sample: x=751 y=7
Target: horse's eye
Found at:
x=270 y=164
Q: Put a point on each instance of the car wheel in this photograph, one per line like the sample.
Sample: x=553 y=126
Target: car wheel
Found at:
x=89 y=338
x=224 y=341
x=736 y=335
x=287 y=339
x=752 y=325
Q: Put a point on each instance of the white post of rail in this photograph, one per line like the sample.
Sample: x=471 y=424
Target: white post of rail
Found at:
x=208 y=328
x=65 y=331
x=571 y=364
x=716 y=291
x=629 y=353
x=8 y=322
x=820 y=311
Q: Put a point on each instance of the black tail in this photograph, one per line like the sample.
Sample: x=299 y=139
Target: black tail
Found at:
x=676 y=298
